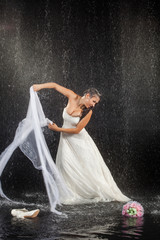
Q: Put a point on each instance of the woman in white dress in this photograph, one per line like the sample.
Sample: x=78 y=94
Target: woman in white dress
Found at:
x=78 y=159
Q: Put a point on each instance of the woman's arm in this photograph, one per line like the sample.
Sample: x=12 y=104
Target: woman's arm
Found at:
x=65 y=91
x=76 y=130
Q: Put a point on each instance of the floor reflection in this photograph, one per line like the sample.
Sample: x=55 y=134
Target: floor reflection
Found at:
x=132 y=226
x=88 y=221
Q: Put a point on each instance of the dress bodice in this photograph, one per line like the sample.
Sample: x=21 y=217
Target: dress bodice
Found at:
x=69 y=121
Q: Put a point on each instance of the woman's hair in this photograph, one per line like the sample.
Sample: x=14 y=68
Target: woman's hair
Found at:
x=92 y=92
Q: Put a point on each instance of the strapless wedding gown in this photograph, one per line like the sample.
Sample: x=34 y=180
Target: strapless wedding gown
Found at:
x=83 y=169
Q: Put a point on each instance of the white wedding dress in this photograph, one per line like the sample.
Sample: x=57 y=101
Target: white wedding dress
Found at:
x=82 y=177
x=83 y=169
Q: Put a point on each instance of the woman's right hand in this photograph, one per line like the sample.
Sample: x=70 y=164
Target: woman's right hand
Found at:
x=36 y=87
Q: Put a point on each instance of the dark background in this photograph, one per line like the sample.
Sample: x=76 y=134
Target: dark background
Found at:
x=111 y=45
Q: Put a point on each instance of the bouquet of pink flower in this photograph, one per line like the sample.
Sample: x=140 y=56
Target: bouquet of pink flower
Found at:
x=132 y=209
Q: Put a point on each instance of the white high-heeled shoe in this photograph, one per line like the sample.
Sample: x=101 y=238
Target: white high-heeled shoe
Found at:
x=24 y=213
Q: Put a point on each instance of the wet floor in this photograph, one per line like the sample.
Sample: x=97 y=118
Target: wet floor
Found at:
x=89 y=221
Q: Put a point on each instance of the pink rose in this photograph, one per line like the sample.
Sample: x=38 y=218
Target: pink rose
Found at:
x=133 y=205
x=125 y=207
x=139 y=214
x=123 y=212
x=139 y=208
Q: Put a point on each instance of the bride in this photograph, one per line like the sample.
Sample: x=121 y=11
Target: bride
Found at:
x=78 y=160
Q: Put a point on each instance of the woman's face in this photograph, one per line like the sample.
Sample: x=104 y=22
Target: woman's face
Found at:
x=91 y=101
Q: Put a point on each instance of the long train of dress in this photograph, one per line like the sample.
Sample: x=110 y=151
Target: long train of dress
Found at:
x=83 y=169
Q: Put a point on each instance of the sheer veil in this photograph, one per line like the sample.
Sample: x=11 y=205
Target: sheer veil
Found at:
x=29 y=137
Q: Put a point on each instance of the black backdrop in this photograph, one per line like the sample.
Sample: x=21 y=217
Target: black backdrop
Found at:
x=111 y=45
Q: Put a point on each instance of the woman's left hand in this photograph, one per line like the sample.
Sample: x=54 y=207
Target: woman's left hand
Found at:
x=53 y=127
